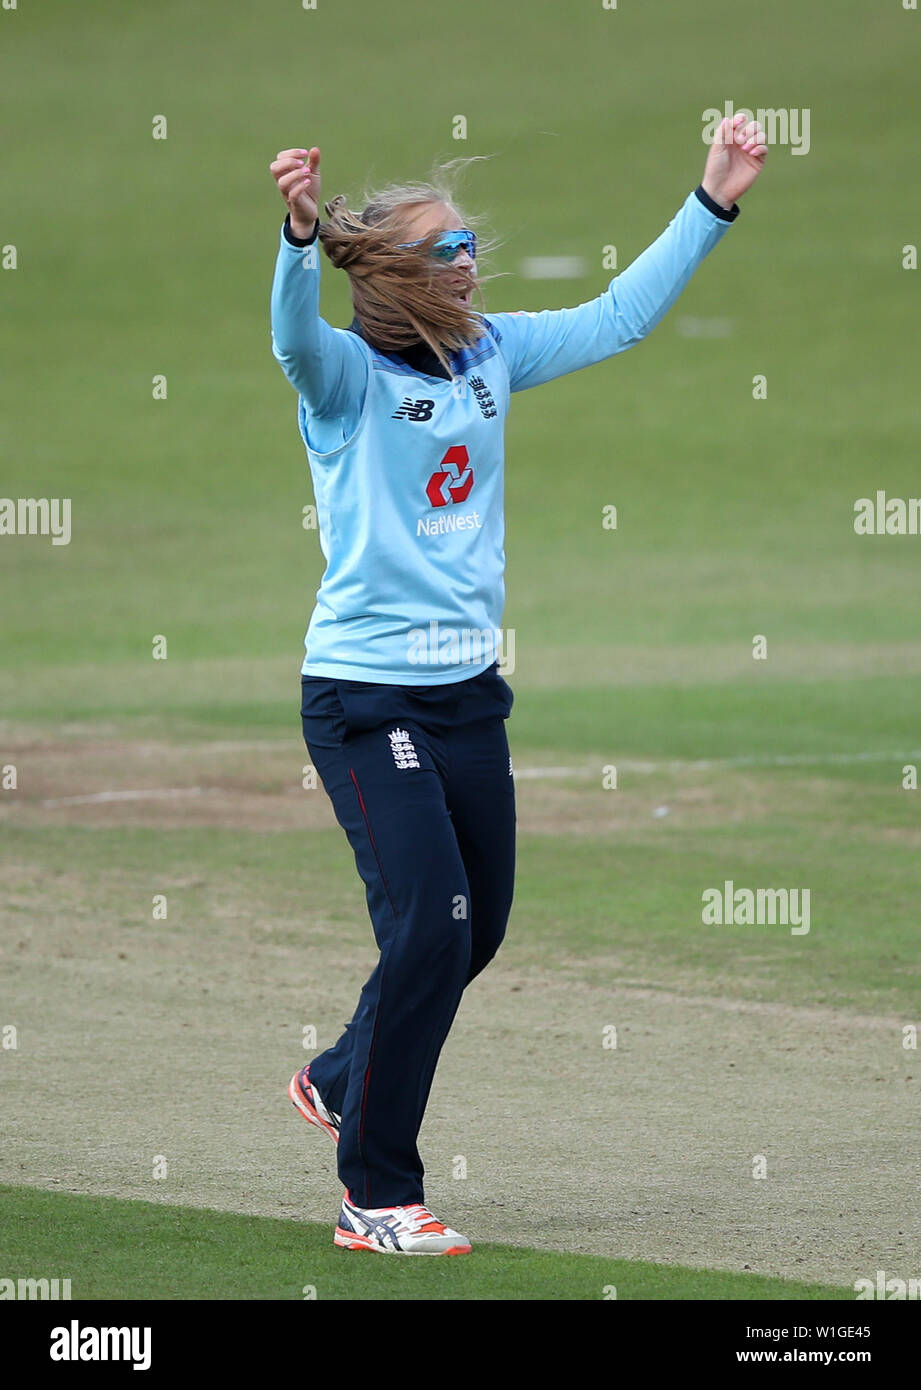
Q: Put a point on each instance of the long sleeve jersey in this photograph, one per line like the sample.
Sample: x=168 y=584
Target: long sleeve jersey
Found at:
x=407 y=463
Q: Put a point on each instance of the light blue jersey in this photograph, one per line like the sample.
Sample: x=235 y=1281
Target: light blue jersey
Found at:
x=408 y=467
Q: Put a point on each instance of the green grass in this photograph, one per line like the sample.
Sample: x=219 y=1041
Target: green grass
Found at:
x=145 y=1250
x=735 y=516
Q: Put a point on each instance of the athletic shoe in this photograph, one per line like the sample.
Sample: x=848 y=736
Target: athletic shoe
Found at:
x=307 y=1100
x=409 y=1230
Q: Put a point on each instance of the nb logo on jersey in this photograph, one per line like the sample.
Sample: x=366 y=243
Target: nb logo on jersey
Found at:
x=452 y=480
x=414 y=410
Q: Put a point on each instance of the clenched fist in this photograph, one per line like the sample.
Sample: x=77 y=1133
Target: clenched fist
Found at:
x=735 y=160
x=299 y=185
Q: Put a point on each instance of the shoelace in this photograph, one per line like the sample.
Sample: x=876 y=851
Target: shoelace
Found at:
x=418 y=1218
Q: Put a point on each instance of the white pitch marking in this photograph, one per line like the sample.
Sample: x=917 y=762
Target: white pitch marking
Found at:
x=679 y=764
x=553 y=267
x=541 y=772
x=154 y=794
x=547 y=773
x=704 y=328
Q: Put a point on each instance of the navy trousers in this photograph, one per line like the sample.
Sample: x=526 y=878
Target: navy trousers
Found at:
x=420 y=779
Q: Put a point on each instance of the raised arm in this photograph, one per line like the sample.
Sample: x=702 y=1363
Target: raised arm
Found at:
x=325 y=365
x=538 y=347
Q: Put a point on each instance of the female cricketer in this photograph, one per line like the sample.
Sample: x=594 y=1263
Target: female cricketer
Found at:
x=403 y=705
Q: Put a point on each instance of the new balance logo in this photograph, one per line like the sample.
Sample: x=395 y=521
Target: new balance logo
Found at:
x=403 y=749
x=414 y=410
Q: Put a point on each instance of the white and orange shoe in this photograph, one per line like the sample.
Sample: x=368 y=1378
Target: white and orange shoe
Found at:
x=308 y=1101
x=411 y=1230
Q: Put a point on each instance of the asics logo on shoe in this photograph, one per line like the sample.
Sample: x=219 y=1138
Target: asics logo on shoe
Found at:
x=362 y=1225
x=309 y=1103
x=411 y=1230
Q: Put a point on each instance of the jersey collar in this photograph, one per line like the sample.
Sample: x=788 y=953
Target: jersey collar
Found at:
x=418 y=355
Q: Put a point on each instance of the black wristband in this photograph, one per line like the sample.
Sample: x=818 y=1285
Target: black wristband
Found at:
x=297 y=240
x=715 y=208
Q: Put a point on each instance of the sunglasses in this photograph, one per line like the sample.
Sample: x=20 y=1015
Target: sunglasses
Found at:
x=448 y=244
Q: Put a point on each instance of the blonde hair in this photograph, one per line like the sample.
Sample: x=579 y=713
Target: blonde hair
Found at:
x=403 y=294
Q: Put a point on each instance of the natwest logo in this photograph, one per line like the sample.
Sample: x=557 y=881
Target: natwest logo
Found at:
x=452 y=479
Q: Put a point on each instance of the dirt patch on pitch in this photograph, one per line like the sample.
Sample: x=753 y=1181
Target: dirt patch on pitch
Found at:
x=114 y=782
x=268 y=785
x=718 y=1132
x=171 y=1050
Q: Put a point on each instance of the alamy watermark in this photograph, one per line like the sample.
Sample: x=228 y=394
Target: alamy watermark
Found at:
x=36 y=516
x=31 y=1290
x=436 y=645
x=83 y=1343
x=887 y=516
x=892 y=1290
x=786 y=126
x=731 y=906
